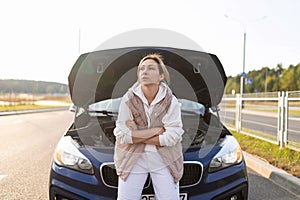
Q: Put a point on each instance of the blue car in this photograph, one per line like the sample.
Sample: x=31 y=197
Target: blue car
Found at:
x=83 y=167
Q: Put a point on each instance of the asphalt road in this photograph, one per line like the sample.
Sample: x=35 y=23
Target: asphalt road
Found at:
x=261 y=188
x=27 y=145
x=264 y=123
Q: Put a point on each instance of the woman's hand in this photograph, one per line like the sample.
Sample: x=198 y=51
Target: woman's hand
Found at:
x=161 y=131
x=148 y=136
x=131 y=125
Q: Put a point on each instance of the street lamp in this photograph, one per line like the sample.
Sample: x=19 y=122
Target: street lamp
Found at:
x=244 y=25
x=79 y=40
x=243 y=75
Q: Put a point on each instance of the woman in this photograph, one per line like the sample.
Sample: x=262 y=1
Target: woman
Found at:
x=148 y=135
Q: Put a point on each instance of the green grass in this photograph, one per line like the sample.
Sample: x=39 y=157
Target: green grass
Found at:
x=294 y=112
x=286 y=159
x=254 y=108
x=291 y=112
x=24 y=107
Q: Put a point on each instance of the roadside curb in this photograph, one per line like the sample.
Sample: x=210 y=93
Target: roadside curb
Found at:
x=275 y=174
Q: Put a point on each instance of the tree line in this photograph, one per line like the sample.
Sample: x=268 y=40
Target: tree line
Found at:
x=32 y=87
x=267 y=80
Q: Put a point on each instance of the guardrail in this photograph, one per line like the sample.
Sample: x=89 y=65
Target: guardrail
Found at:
x=273 y=116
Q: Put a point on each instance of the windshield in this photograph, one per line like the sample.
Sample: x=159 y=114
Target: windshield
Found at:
x=191 y=106
x=112 y=106
x=100 y=118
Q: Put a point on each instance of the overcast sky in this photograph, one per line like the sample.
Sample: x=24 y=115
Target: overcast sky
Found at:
x=39 y=40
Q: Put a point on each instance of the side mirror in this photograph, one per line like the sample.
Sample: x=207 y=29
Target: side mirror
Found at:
x=72 y=108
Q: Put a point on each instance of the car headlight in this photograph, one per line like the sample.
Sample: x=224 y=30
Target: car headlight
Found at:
x=67 y=155
x=230 y=154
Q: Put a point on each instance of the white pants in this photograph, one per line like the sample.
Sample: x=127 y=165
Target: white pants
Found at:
x=163 y=182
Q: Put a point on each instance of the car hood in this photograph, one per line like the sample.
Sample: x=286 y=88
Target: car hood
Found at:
x=106 y=74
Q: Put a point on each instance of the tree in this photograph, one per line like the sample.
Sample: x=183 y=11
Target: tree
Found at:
x=288 y=80
x=231 y=85
x=298 y=76
x=266 y=79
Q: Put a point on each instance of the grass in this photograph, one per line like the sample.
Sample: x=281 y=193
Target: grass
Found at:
x=26 y=101
x=24 y=107
x=291 y=112
x=27 y=98
x=269 y=107
x=286 y=159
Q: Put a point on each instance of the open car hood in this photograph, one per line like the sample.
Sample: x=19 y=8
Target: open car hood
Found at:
x=107 y=74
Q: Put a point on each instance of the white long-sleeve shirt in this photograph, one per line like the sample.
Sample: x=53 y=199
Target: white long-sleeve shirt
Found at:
x=171 y=121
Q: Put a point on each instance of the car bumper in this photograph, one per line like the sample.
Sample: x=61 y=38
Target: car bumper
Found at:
x=69 y=184
x=234 y=191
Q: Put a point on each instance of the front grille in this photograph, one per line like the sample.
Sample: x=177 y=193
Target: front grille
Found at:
x=109 y=175
x=110 y=178
x=191 y=176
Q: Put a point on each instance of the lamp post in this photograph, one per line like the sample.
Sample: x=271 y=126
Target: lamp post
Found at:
x=244 y=25
x=243 y=75
x=79 y=40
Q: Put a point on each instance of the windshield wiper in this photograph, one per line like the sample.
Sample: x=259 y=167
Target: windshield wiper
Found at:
x=193 y=112
x=104 y=112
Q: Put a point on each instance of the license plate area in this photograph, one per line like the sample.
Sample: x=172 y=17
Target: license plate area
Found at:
x=183 y=196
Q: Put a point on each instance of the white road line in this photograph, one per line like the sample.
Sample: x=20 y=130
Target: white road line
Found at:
x=18 y=121
x=2 y=177
x=259 y=123
x=251 y=122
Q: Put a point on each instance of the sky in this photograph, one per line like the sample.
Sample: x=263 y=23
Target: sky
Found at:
x=41 y=40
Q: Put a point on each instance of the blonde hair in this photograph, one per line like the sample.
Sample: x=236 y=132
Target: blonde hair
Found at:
x=161 y=66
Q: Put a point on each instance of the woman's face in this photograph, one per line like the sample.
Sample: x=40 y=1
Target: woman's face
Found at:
x=149 y=73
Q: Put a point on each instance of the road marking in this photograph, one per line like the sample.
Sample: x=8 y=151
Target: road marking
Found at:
x=259 y=123
x=2 y=177
x=18 y=121
x=250 y=121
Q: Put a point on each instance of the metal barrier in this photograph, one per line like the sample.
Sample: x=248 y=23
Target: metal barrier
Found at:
x=272 y=116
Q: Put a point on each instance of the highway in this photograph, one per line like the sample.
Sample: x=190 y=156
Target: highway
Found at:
x=27 y=145
x=263 y=122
